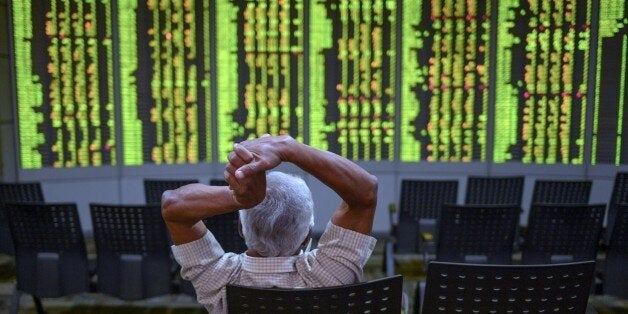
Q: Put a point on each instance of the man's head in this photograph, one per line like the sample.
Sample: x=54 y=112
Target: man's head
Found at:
x=283 y=220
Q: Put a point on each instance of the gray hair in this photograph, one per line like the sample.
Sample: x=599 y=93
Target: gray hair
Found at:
x=278 y=225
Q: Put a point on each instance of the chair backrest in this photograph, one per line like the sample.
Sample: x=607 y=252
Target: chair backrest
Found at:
x=619 y=196
x=616 y=277
x=420 y=199
x=51 y=259
x=477 y=233
x=218 y=182
x=473 y=288
x=132 y=250
x=15 y=192
x=559 y=233
x=561 y=192
x=377 y=296
x=225 y=228
x=153 y=188
x=494 y=190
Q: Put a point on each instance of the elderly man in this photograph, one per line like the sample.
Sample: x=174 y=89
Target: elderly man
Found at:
x=276 y=216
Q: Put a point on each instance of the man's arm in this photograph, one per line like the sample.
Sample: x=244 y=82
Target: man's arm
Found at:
x=184 y=209
x=356 y=187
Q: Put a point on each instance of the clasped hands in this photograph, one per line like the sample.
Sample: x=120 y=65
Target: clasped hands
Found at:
x=246 y=170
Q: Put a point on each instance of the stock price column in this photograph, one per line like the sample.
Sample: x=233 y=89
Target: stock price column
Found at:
x=165 y=81
x=64 y=83
x=445 y=80
x=541 y=81
x=352 y=78
x=610 y=130
x=260 y=70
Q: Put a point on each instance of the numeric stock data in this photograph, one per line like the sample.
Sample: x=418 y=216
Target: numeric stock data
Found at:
x=542 y=69
x=610 y=130
x=352 y=78
x=62 y=53
x=260 y=70
x=445 y=80
x=165 y=96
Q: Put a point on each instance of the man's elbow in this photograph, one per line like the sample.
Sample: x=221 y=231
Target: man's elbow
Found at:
x=369 y=197
x=169 y=202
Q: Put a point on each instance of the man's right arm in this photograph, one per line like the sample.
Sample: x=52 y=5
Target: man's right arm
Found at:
x=356 y=187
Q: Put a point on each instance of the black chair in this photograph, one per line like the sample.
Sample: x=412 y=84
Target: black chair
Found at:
x=561 y=192
x=377 y=296
x=473 y=288
x=494 y=190
x=50 y=254
x=153 y=188
x=616 y=273
x=619 y=196
x=559 y=233
x=419 y=208
x=133 y=254
x=218 y=182
x=15 y=192
x=477 y=233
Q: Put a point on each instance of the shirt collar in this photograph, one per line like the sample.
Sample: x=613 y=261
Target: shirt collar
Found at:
x=284 y=264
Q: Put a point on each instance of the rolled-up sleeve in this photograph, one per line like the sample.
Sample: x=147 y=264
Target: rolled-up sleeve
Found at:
x=339 y=258
x=208 y=267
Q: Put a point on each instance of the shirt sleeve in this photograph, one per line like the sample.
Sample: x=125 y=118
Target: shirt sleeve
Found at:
x=205 y=264
x=338 y=259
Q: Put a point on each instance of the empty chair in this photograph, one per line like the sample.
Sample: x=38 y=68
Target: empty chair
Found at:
x=619 y=196
x=419 y=208
x=15 y=192
x=50 y=255
x=477 y=233
x=473 y=288
x=561 y=192
x=133 y=255
x=218 y=182
x=616 y=273
x=559 y=233
x=494 y=190
x=153 y=188
x=377 y=296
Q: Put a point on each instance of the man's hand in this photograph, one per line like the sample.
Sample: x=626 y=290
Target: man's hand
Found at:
x=266 y=152
x=247 y=191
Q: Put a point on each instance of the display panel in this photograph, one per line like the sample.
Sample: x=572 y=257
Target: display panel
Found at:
x=260 y=70
x=445 y=80
x=62 y=54
x=610 y=130
x=165 y=97
x=352 y=78
x=541 y=81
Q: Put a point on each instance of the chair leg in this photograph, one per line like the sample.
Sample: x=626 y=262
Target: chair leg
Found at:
x=389 y=259
x=15 y=301
x=38 y=305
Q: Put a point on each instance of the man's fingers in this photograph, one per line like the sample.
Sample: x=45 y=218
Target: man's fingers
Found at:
x=245 y=155
x=236 y=160
x=247 y=170
x=231 y=180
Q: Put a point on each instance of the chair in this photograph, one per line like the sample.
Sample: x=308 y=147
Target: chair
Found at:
x=218 y=182
x=419 y=208
x=494 y=190
x=473 y=288
x=559 y=233
x=132 y=251
x=153 y=188
x=15 y=192
x=616 y=276
x=377 y=296
x=477 y=233
x=561 y=192
x=619 y=196
x=50 y=254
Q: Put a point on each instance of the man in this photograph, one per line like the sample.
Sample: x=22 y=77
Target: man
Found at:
x=276 y=222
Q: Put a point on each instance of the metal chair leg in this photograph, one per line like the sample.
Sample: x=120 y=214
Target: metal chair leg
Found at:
x=15 y=300
x=38 y=305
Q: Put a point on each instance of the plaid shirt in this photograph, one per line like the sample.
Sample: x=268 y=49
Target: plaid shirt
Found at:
x=337 y=260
